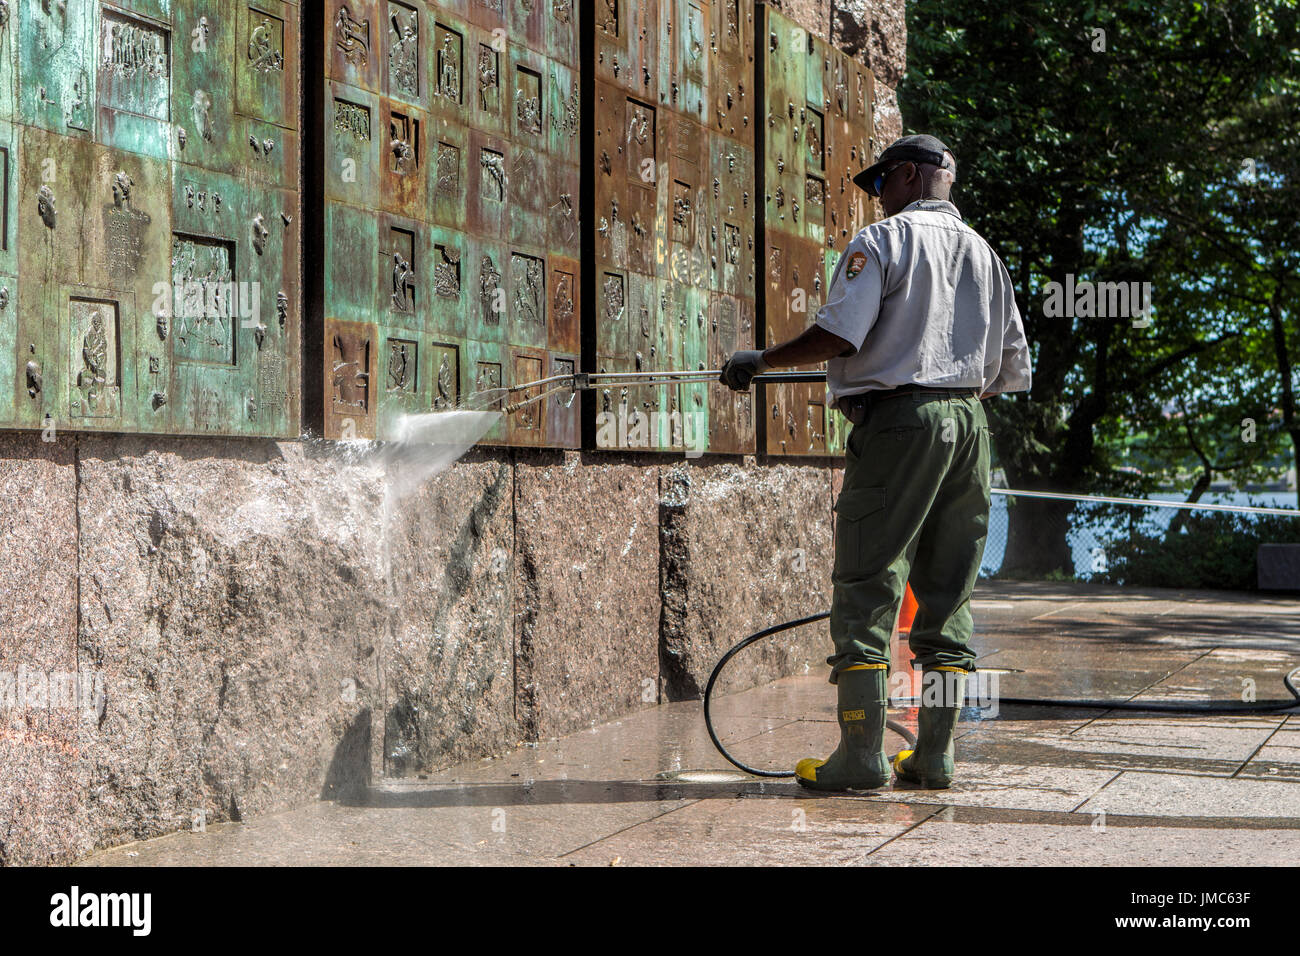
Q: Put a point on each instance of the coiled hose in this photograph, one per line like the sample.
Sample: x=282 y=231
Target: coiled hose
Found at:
x=1167 y=707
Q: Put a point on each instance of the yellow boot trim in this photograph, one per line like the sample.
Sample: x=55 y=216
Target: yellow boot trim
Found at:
x=898 y=761
x=807 y=768
x=951 y=670
x=867 y=667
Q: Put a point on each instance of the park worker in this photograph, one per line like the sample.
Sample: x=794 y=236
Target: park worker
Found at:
x=919 y=326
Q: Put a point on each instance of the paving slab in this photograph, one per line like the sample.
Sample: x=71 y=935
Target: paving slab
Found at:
x=1037 y=784
x=1199 y=745
x=831 y=832
x=1140 y=793
x=1279 y=758
x=939 y=843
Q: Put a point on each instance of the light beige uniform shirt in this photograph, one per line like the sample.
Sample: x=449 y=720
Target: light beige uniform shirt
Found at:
x=925 y=301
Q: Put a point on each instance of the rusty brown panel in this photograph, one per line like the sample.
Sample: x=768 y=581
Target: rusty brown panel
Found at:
x=563 y=331
x=447 y=186
x=353 y=43
x=563 y=412
x=610 y=226
x=564 y=226
x=816 y=425
x=487 y=72
x=797 y=288
x=811 y=279
x=731 y=414
x=735 y=249
x=452 y=63
x=627 y=46
x=527 y=425
x=788 y=434
x=490 y=161
x=640 y=137
x=528 y=23
x=404 y=34
x=489 y=15
x=609 y=118
x=350 y=356
x=644 y=318
x=733 y=109
x=403 y=159
x=528 y=89
x=643 y=218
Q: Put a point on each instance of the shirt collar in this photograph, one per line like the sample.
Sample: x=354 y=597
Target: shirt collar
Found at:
x=934 y=205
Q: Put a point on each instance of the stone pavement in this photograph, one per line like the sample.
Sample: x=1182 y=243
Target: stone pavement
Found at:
x=1037 y=785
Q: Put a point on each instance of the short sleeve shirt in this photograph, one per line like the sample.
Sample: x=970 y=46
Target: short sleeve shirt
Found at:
x=924 y=300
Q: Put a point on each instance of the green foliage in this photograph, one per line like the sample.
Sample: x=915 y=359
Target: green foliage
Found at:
x=1171 y=157
x=1215 y=550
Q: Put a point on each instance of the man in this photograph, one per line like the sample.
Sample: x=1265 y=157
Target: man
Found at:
x=920 y=325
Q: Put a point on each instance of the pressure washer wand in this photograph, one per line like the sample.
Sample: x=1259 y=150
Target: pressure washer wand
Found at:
x=587 y=381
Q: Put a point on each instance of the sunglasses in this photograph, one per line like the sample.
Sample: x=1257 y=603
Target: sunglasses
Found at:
x=878 y=184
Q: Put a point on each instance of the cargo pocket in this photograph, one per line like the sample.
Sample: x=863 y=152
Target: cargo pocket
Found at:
x=858 y=526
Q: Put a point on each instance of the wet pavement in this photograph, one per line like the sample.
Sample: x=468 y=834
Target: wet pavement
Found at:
x=1036 y=785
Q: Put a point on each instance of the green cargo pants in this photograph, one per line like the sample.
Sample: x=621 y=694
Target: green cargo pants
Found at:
x=915 y=507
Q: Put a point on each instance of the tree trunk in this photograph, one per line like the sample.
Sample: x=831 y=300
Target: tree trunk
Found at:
x=1036 y=538
x=1180 y=517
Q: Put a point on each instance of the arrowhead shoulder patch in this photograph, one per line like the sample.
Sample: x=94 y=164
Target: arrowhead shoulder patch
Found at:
x=856 y=264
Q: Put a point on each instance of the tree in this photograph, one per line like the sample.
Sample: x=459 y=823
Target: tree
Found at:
x=1107 y=144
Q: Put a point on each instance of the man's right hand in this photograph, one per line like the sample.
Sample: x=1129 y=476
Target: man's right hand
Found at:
x=741 y=368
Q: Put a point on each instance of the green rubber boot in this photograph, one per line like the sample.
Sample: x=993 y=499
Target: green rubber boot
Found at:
x=859 y=762
x=931 y=765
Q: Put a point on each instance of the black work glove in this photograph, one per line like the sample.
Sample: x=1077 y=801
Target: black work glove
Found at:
x=741 y=369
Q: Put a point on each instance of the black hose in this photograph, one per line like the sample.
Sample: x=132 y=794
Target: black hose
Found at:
x=713 y=679
x=1168 y=707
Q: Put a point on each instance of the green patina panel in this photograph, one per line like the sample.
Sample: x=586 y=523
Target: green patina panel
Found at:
x=452 y=239
x=817 y=131
x=149 y=247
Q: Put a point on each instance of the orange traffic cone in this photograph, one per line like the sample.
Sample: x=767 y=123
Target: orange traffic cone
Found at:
x=906 y=682
x=908 y=613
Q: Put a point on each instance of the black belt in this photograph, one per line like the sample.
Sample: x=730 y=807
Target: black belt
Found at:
x=856 y=407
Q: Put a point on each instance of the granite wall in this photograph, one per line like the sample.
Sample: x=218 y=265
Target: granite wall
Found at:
x=257 y=624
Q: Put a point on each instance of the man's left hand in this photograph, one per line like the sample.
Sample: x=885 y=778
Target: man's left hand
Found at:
x=741 y=368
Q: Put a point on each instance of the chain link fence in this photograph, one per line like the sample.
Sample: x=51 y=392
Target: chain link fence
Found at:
x=1142 y=542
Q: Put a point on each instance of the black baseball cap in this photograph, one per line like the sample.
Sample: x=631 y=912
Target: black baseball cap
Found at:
x=919 y=148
